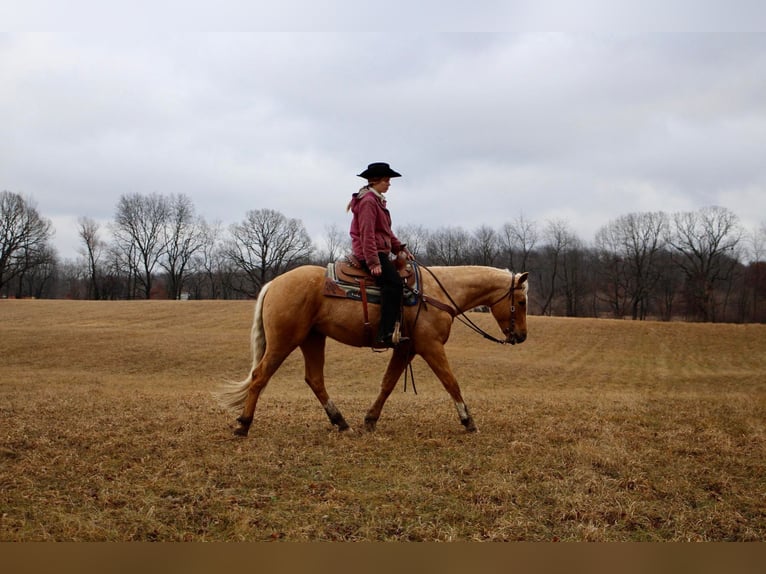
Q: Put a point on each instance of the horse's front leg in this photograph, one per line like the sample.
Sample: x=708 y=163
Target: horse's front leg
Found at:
x=402 y=355
x=436 y=358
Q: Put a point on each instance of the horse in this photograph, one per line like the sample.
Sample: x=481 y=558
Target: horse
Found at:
x=292 y=311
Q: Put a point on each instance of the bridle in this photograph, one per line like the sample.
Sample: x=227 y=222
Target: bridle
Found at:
x=463 y=318
x=509 y=331
x=511 y=328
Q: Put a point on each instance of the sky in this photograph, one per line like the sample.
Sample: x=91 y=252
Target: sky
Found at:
x=488 y=115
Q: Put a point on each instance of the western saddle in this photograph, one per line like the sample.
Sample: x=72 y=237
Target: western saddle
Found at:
x=349 y=279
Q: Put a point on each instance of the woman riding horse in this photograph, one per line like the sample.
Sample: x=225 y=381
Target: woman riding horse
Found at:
x=373 y=241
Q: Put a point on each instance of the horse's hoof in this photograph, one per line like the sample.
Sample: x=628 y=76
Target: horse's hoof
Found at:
x=370 y=425
x=241 y=431
x=470 y=426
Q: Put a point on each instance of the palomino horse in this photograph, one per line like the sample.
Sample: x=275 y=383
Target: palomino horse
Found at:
x=292 y=311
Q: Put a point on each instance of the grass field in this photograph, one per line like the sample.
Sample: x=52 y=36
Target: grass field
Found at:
x=591 y=430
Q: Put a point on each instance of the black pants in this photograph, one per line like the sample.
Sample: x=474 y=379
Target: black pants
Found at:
x=390 y=295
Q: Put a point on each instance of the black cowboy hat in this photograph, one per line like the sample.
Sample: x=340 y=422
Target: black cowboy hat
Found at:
x=379 y=170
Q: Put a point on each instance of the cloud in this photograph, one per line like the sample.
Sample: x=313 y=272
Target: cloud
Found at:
x=484 y=126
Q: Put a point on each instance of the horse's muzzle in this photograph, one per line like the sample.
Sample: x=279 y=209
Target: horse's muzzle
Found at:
x=514 y=338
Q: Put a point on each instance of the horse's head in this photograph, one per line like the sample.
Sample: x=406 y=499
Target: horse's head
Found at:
x=511 y=315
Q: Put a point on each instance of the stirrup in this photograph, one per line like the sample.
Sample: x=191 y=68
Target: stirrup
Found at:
x=396 y=336
x=388 y=343
x=394 y=340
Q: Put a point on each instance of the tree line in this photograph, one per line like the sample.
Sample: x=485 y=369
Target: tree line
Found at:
x=698 y=266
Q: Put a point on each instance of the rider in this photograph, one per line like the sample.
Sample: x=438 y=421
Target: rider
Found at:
x=373 y=241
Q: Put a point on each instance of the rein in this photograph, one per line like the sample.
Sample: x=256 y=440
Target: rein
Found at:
x=463 y=318
x=458 y=313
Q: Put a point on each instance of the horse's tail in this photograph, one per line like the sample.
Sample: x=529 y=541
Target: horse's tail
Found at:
x=234 y=393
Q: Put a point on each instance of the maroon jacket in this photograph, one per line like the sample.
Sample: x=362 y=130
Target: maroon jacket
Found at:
x=371 y=227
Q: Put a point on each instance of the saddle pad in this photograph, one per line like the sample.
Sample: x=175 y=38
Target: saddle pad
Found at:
x=335 y=287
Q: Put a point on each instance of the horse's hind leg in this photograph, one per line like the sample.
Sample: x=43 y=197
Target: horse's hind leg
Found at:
x=259 y=378
x=313 y=355
x=396 y=366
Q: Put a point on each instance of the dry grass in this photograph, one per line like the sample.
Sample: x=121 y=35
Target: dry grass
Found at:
x=591 y=430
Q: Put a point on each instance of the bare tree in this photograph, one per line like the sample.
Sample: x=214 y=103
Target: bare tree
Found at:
x=612 y=272
x=517 y=241
x=415 y=237
x=266 y=244
x=704 y=244
x=118 y=277
x=337 y=244
x=38 y=276
x=139 y=232
x=756 y=271
x=629 y=249
x=558 y=240
x=669 y=285
x=24 y=237
x=208 y=263
x=485 y=245
x=71 y=280
x=448 y=246
x=184 y=235
x=755 y=244
x=572 y=277
x=92 y=250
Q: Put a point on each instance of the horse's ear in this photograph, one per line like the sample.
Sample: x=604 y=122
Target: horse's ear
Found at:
x=523 y=277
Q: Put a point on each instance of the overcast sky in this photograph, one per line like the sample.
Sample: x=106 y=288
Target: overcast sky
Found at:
x=581 y=126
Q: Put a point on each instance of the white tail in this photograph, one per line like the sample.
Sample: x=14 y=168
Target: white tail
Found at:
x=233 y=393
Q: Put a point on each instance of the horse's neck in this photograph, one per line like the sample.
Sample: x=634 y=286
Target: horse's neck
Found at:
x=471 y=287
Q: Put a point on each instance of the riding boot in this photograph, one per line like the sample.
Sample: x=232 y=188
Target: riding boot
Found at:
x=391 y=302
